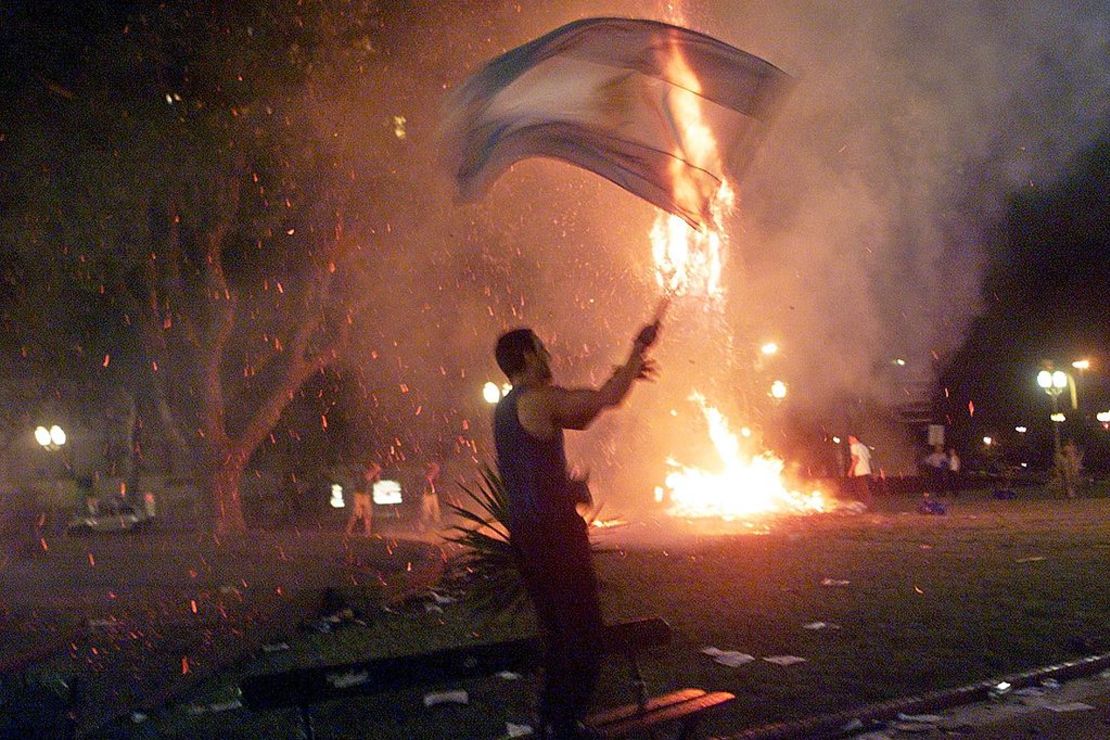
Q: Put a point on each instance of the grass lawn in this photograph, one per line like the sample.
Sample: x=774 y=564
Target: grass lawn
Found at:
x=931 y=602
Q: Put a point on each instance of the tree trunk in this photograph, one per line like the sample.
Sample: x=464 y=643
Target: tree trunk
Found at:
x=222 y=482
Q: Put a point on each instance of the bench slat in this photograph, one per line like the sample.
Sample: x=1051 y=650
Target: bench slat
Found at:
x=303 y=686
x=616 y=714
x=688 y=709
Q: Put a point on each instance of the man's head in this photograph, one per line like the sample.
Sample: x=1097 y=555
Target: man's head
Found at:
x=521 y=353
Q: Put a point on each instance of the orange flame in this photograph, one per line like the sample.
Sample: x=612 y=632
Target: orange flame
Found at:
x=689 y=261
x=748 y=484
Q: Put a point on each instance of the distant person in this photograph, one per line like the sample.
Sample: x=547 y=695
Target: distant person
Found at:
x=429 y=498
x=363 y=505
x=859 y=469
x=936 y=470
x=547 y=533
x=1068 y=463
x=953 y=472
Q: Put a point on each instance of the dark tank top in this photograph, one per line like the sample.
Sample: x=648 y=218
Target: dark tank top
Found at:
x=534 y=471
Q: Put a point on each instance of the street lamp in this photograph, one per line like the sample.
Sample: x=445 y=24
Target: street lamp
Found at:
x=778 y=390
x=1053 y=383
x=51 y=439
x=491 y=393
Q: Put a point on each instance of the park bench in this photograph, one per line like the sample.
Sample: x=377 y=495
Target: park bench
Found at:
x=303 y=687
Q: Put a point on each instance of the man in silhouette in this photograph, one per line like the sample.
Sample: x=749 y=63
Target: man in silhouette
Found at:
x=548 y=535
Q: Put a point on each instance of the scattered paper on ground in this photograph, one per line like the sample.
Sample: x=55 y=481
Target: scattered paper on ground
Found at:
x=784 y=659
x=923 y=718
x=834 y=582
x=459 y=696
x=731 y=658
x=1071 y=706
x=821 y=626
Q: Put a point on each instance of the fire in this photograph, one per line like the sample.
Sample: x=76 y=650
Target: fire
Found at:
x=749 y=484
x=690 y=261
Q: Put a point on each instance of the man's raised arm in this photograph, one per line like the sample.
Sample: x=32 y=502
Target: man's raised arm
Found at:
x=577 y=408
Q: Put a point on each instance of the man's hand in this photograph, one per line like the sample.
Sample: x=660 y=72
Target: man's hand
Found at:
x=648 y=335
x=644 y=367
x=650 y=332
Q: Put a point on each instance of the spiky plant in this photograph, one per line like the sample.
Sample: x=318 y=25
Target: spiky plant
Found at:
x=487 y=571
x=487 y=568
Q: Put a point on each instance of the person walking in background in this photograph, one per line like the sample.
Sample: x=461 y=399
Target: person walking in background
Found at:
x=363 y=505
x=859 y=469
x=936 y=471
x=548 y=536
x=429 y=499
x=953 y=472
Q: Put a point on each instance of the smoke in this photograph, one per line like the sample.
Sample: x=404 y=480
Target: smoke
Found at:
x=862 y=227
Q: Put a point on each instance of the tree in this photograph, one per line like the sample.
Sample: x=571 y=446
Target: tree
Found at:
x=169 y=169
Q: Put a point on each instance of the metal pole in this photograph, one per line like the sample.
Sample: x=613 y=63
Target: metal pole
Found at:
x=1056 y=424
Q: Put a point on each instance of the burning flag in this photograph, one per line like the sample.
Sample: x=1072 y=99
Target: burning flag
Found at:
x=609 y=95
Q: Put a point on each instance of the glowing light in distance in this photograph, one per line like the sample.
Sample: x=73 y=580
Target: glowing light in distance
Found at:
x=491 y=393
x=57 y=435
x=988 y=441
x=1082 y=364
x=1058 y=417
x=836 y=440
x=769 y=348
x=899 y=362
x=778 y=389
x=1048 y=380
x=336 y=500
x=1103 y=416
x=42 y=436
x=745 y=431
x=386 y=492
x=1021 y=430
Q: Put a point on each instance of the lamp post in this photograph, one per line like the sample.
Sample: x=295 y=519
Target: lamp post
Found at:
x=53 y=440
x=1053 y=383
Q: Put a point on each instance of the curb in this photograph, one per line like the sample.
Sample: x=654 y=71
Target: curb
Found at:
x=850 y=721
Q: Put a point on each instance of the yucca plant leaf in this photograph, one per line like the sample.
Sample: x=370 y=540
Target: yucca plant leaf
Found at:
x=487 y=568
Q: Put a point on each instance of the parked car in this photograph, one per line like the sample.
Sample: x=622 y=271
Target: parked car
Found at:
x=110 y=516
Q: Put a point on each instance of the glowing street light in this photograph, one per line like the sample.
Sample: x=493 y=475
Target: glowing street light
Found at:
x=778 y=390
x=769 y=348
x=1053 y=382
x=50 y=439
x=1082 y=364
x=988 y=441
x=491 y=392
x=1021 y=429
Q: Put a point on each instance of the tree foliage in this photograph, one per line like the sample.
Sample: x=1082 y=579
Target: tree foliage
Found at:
x=168 y=175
